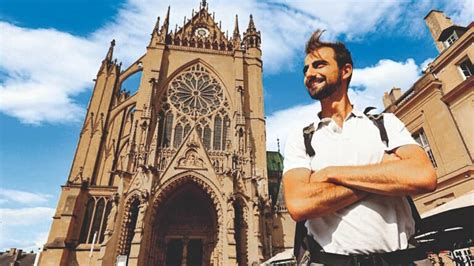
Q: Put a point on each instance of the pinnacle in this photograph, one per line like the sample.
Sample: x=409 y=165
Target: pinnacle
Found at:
x=236 y=27
x=251 y=23
x=111 y=51
x=157 y=25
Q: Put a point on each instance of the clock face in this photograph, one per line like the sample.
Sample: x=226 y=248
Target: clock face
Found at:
x=201 y=32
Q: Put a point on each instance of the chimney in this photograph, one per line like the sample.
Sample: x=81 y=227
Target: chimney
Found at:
x=437 y=21
x=12 y=251
x=17 y=255
x=391 y=97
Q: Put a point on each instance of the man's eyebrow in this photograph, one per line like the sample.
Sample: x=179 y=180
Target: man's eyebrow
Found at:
x=317 y=62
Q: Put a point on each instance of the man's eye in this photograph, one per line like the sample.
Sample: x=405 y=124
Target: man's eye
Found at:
x=317 y=64
x=305 y=69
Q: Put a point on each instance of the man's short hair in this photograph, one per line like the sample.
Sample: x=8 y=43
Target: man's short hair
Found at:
x=342 y=54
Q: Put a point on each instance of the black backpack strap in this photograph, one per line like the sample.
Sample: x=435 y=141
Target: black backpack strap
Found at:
x=299 y=246
x=415 y=214
x=308 y=135
x=379 y=123
x=305 y=246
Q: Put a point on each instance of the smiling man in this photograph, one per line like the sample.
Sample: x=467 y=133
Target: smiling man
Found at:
x=343 y=179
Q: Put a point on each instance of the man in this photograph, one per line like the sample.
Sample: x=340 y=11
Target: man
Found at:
x=352 y=191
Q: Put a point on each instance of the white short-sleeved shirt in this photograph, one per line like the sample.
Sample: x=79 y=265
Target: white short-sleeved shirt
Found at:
x=375 y=224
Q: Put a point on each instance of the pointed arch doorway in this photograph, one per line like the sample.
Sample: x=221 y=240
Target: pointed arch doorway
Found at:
x=185 y=230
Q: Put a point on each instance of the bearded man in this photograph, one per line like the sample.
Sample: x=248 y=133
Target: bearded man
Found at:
x=352 y=187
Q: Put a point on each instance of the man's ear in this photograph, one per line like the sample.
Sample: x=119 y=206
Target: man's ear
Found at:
x=346 y=71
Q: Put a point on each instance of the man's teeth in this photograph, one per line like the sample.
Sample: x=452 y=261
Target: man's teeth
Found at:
x=317 y=80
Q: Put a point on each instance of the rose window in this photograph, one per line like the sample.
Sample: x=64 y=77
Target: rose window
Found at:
x=195 y=92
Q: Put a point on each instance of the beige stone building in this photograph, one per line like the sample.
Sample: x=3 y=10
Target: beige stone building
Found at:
x=175 y=173
x=439 y=111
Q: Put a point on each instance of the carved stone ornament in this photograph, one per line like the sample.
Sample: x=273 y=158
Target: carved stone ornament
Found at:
x=142 y=180
x=191 y=160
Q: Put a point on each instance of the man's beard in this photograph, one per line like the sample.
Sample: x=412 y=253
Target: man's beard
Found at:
x=326 y=91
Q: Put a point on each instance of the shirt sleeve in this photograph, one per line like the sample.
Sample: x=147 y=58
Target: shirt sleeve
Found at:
x=397 y=133
x=295 y=152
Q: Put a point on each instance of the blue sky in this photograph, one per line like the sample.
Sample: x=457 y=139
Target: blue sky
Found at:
x=50 y=51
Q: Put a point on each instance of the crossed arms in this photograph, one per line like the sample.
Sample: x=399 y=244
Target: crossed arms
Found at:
x=407 y=171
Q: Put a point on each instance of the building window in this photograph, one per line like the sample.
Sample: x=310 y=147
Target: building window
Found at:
x=420 y=137
x=466 y=68
x=95 y=220
x=178 y=136
x=217 y=133
x=207 y=137
x=225 y=132
x=451 y=39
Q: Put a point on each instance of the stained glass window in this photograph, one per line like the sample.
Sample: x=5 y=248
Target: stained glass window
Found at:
x=187 y=128
x=95 y=219
x=207 y=137
x=225 y=132
x=168 y=127
x=195 y=92
x=217 y=133
x=87 y=221
x=178 y=136
x=98 y=215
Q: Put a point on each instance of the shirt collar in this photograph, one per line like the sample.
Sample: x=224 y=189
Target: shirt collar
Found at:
x=326 y=120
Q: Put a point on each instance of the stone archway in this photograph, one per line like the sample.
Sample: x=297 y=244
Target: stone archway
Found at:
x=185 y=227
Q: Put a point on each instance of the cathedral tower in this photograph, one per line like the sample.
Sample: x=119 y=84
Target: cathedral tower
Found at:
x=175 y=173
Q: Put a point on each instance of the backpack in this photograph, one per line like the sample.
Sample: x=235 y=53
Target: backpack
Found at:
x=304 y=244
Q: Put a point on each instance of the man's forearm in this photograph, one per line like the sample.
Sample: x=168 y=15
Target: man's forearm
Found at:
x=328 y=198
x=306 y=199
x=410 y=175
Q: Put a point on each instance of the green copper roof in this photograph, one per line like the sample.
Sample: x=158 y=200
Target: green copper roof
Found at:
x=274 y=161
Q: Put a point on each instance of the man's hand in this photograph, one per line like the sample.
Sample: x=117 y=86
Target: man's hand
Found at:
x=390 y=157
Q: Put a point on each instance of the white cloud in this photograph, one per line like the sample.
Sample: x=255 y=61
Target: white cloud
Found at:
x=24 y=228
x=461 y=11
x=32 y=242
x=25 y=216
x=22 y=197
x=280 y=123
x=367 y=88
x=43 y=70
x=369 y=84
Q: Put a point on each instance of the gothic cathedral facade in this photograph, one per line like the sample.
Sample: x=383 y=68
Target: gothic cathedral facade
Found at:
x=176 y=173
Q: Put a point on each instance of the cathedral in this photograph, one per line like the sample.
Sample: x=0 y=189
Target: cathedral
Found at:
x=176 y=173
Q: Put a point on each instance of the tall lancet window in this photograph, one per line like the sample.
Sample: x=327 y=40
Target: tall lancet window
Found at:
x=217 y=133
x=178 y=136
x=187 y=128
x=95 y=219
x=165 y=128
x=207 y=137
x=225 y=133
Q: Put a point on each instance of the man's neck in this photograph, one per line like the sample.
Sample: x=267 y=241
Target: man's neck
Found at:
x=337 y=106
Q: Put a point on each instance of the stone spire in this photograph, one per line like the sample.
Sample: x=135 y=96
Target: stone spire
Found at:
x=251 y=24
x=110 y=53
x=236 y=35
x=156 y=34
x=236 y=27
x=166 y=23
x=157 y=25
x=203 y=4
x=252 y=38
